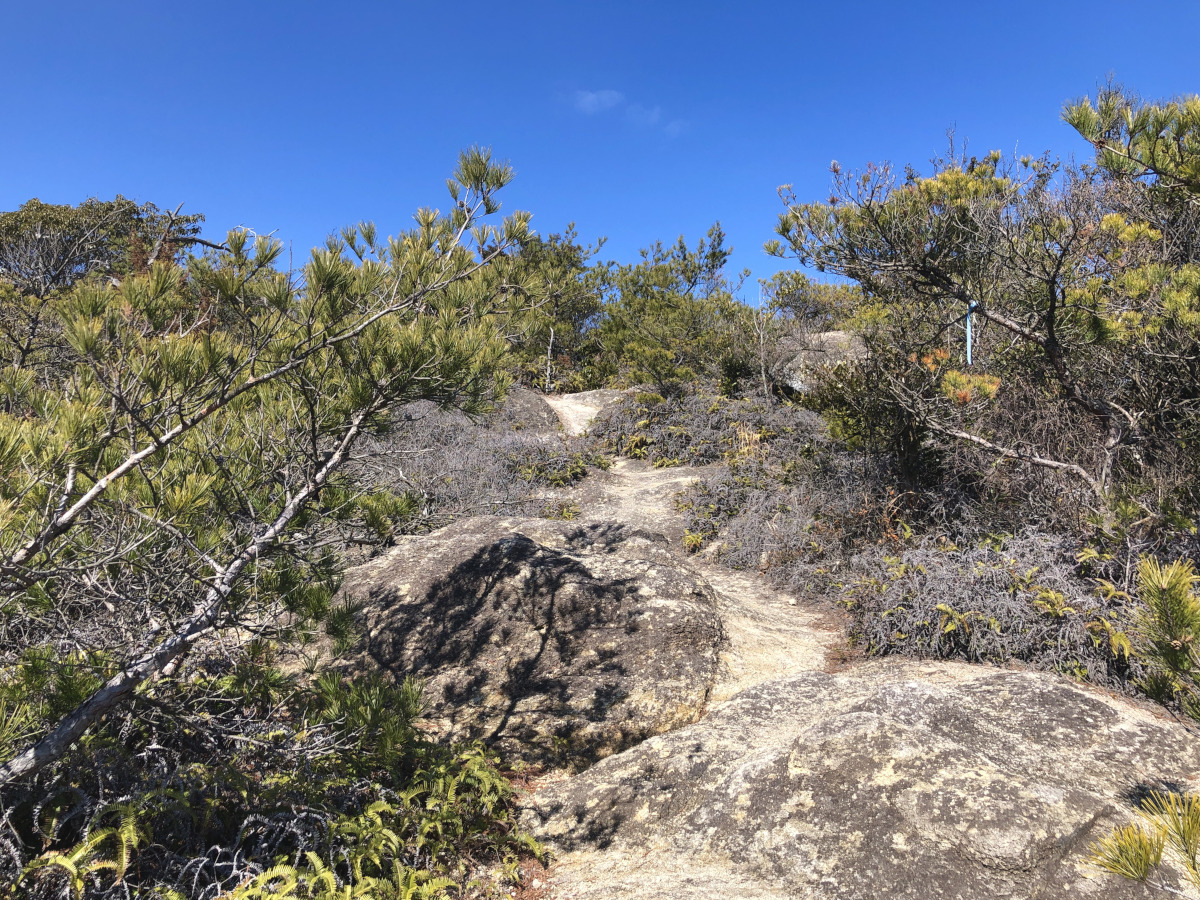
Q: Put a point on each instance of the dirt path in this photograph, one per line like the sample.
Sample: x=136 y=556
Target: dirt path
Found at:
x=576 y=411
x=770 y=634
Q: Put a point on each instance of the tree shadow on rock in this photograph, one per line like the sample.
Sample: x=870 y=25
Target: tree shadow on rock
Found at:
x=1140 y=794
x=609 y=536
x=521 y=646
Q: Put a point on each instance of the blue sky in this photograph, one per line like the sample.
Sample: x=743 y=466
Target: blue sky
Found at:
x=635 y=120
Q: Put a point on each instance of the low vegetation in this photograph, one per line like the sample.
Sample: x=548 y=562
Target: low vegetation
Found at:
x=695 y=427
x=444 y=465
x=286 y=789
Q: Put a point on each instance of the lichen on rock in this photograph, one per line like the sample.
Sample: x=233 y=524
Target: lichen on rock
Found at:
x=895 y=780
x=555 y=642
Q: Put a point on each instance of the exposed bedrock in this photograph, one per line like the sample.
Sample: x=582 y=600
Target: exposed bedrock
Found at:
x=554 y=641
x=898 y=780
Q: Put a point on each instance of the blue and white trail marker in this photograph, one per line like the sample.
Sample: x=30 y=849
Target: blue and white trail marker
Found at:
x=970 y=309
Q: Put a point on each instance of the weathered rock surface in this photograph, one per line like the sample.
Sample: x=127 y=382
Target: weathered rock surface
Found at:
x=554 y=641
x=818 y=349
x=526 y=409
x=899 y=779
x=576 y=411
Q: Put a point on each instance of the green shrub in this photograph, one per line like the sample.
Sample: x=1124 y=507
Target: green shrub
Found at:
x=293 y=790
x=1166 y=629
x=551 y=463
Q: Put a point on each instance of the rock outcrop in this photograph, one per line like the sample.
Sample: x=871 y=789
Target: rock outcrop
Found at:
x=528 y=410
x=576 y=411
x=554 y=641
x=822 y=348
x=898 y=780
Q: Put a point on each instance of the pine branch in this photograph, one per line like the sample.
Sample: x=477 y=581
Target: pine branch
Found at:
x=70 y=728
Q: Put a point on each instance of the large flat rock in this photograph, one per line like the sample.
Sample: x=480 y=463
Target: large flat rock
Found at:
x=897 y=779
x=554 y=641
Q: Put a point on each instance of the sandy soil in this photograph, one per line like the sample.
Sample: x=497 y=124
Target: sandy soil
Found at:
x=770 y=634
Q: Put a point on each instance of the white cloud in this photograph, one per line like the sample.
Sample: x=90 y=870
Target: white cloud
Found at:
x=642 y=115
x=591 y=102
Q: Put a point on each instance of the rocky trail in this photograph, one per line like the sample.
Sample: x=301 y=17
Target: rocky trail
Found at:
x=767 y=634
x=696 y=742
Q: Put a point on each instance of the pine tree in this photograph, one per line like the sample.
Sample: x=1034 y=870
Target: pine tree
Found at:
x=672 y=317
x=165 y=449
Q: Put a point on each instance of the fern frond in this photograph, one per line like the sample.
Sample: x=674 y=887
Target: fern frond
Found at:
x=1118 y=641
